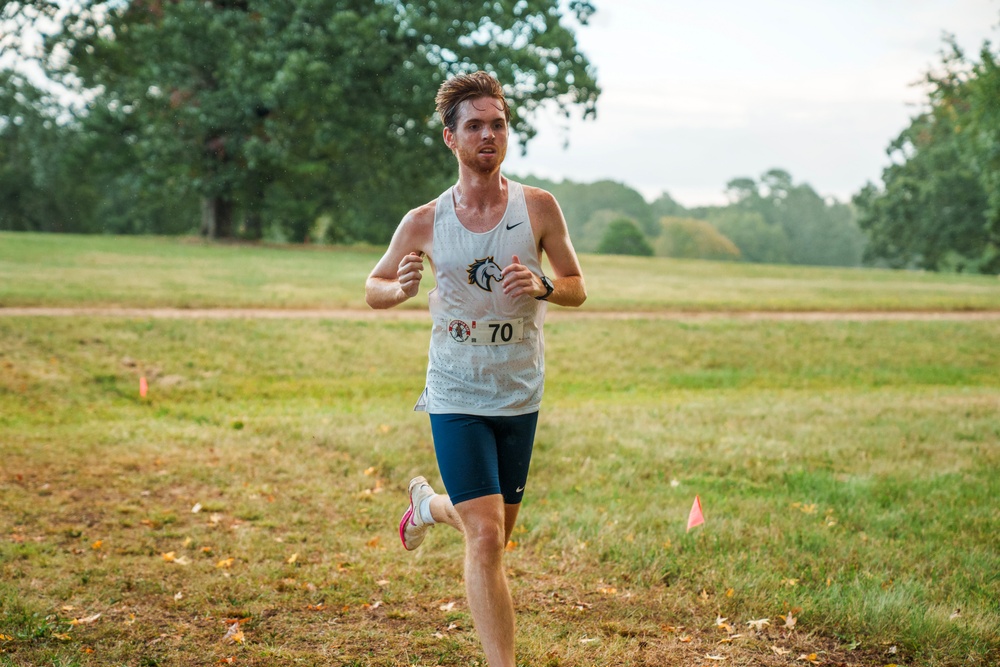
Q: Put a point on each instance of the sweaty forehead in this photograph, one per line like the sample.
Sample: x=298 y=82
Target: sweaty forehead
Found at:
x=481 y=108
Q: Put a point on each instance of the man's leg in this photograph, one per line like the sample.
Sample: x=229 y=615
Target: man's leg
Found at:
x=485 y=522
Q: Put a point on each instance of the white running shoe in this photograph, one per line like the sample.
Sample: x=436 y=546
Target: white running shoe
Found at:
x=412 y=529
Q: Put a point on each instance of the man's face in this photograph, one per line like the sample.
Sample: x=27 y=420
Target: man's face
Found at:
x=480 y=136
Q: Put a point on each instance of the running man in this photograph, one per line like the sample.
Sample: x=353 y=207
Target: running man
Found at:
x=484 y=238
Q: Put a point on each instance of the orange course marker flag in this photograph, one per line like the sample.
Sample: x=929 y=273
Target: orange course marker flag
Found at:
x=143 y=387
x=695 y=518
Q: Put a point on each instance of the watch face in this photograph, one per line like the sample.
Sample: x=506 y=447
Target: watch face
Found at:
x=549 y=288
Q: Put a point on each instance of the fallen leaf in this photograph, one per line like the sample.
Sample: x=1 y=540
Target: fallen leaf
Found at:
x=607 y=590
x=85 y=621
x=790 y=620
x=812 y=657
x=790 y=582
x=291 y=559
x=97 y=545
x=62 y=635
x=730 y=592
x=715 y=657
x=373 y=542
x=196 y=508
x=588 y=640
x=234 y=634
x=759 y=624
x=447 y=607
x=511 y=545
x=685 y=639
x=6 y=638
x=178 y=596
x=370 y=471
x=226 y=562
x=781 y=651
x=169 y=556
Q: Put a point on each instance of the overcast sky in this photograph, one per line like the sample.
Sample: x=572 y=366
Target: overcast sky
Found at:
x=697 y=93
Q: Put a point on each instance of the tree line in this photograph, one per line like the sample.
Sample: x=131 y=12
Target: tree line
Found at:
x=770 y=219
x=312 y=121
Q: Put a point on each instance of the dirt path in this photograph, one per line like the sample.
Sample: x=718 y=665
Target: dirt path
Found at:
x=554 y=314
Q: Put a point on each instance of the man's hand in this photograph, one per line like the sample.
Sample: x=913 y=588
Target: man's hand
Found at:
x=411 y=270
x=518 y=280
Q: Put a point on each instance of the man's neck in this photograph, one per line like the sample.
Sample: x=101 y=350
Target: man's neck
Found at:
x=480 y=192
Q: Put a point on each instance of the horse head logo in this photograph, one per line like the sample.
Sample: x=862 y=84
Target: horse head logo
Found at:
x=482 y=271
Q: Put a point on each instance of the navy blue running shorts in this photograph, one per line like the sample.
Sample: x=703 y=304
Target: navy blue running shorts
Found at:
x=481 y=456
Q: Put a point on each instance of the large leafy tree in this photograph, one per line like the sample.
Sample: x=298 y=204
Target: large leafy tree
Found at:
x=939 y=204
x=278 y=114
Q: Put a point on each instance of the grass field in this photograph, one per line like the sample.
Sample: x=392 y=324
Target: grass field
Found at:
x=59 y=270
x=848 y=471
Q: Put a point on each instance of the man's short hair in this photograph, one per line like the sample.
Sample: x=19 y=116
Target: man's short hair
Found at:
x=464 y=87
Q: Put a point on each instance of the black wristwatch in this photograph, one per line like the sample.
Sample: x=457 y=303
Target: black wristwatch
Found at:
x=549 y=288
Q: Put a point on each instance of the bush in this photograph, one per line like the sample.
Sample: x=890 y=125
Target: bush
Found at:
x=624 y=238
x=688 y=238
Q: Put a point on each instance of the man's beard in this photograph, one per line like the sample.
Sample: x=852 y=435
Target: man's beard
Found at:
x=471 y=159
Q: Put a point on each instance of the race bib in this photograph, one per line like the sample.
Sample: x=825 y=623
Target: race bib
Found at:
x=487 y=332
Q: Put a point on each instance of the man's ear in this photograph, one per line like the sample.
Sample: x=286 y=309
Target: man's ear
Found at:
x=449 y=138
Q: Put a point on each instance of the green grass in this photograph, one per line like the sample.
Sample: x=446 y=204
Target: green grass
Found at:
x=67 y=270
x=848 y=471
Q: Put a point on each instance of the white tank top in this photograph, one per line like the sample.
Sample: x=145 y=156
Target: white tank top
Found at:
x=487 y=350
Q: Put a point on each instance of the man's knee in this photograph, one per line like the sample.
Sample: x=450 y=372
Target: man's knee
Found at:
x=485 y=544
x=484 y=523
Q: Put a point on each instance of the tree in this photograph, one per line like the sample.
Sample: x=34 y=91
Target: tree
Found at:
x=688 y=238
x=665 y=206
x=776 y=220
x=623 y=237
x=757 y=240
x=938 y=208
x=43 y=174
x=278 y=113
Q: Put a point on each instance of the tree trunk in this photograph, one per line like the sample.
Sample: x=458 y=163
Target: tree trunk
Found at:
x=216 y=217
x=253 y=219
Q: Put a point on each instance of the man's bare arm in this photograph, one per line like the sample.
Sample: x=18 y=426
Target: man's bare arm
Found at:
x=553 y=237
x=396 y=277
